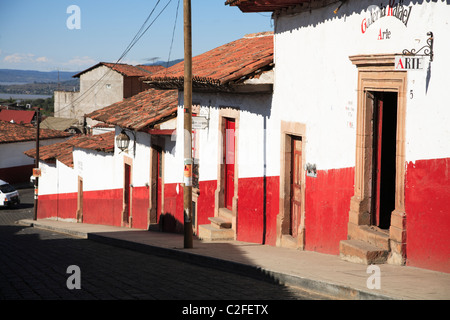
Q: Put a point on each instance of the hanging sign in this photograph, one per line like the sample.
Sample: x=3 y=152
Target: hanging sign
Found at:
x=199 y=122
x=408 y=63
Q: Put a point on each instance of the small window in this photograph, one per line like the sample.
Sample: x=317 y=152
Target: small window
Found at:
x=108 y=86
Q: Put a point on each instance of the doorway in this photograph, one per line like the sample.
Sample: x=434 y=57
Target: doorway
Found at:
x=229 y=149
x=379 y=168
x=126 y=195
x=296 y=185
x=159 y=193
x=384 y=158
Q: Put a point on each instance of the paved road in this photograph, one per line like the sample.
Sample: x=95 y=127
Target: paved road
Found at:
x=34 y=262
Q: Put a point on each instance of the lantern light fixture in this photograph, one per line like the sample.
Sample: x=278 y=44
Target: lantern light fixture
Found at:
x=122 y=141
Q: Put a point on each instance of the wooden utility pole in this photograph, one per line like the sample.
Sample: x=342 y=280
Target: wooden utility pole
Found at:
x=187 y=189
x=36 y=164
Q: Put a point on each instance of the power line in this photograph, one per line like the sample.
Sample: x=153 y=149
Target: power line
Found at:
x=173 y=35
x=133 y=42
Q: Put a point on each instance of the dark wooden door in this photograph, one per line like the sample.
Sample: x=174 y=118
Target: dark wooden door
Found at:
x=296 y=184
x=229 y=162
x=158 y=183
x=127 y=194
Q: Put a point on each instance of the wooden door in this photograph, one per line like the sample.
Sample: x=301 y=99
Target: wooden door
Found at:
x=378 y=139
x=127 y=194
x=158 y=183
x=384 y=158
x=229 y=149
x=296 y=185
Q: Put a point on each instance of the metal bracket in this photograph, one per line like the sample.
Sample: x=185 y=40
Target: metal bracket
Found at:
x=427 y=49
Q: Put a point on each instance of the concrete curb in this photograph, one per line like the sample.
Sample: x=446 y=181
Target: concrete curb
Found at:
x=332 y=290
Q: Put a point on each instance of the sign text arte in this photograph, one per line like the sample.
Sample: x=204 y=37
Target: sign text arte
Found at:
x=393 y=9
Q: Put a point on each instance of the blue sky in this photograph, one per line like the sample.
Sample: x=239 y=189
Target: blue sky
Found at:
x=34 y=34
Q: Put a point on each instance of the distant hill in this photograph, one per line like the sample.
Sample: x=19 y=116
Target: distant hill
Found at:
x=43 y=88
x=164 y=63
x=31 y=76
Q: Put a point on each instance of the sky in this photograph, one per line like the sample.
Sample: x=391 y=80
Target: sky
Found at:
x=73 y=35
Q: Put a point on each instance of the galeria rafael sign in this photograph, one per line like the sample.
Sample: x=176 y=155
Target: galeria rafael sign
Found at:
x=391 y=10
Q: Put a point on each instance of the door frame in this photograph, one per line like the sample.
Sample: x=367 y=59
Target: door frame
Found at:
x=127 y=162
x=232 y=113
x=376 y=73
x=284 y=238
x=153 y=213
x=229 y=188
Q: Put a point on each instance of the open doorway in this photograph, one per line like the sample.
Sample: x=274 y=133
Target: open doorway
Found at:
x=384 y=158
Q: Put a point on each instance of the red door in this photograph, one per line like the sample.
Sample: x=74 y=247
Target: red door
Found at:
x=378 y=144
x=229 y=162
x=296 y=184
x=158 y=184
x=126 y=194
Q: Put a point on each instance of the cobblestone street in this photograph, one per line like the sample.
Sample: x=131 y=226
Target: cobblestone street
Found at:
x=34 y=262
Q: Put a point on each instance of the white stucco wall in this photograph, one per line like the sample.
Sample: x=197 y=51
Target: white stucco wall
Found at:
x=57 y=178
x=12 y=154
x=255 y=145
x=315 y=82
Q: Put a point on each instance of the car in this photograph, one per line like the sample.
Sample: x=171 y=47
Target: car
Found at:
x=8 y=195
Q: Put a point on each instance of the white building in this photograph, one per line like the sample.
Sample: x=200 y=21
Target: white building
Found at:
x=363 y=86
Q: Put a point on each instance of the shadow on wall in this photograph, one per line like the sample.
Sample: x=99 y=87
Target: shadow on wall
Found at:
x=168 y=223
x=343 y=10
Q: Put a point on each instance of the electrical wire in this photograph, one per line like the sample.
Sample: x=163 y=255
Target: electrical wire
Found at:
x=133 y=42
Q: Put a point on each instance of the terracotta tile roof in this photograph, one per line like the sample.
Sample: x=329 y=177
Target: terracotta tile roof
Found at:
x=63 y=151
x=263 y=6
x=19 y=116
x=12 y=132
x=140 y=110
x=125 y=69
x=233 y=61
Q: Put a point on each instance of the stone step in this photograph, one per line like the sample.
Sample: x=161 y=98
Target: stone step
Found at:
x=372 y=235
x=225 y=213
x=211 y=233
x=359 y=251
x=220 y=223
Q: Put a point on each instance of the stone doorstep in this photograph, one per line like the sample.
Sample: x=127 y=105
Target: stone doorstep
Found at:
x=372 y=235
x=360 y=251
x=220 y=223
x=209 y=232
x=225 y=214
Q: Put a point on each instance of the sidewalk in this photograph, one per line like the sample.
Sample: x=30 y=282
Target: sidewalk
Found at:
x=321 y=273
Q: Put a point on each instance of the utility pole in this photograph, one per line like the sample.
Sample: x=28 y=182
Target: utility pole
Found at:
x=36 y=164
x=187 y=189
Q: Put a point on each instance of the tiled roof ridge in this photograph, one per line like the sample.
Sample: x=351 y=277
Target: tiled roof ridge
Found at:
x=16 y=132
x=63 y=151
x=139 y=111
x=258 y=34
x=229 y=62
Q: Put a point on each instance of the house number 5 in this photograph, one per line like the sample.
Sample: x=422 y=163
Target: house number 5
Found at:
x=411 y=94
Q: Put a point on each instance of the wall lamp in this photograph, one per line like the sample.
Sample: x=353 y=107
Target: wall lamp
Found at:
x=122 y=141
